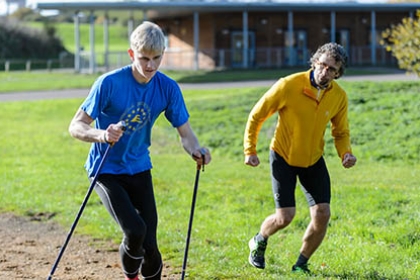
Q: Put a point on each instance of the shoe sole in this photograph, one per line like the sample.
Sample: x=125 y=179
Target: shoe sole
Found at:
x=250 y=243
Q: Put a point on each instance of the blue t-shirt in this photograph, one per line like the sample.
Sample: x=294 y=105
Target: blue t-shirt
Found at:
x=117 y=96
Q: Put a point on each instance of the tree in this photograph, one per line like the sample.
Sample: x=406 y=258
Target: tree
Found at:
x=402 y=1
x=403 y=41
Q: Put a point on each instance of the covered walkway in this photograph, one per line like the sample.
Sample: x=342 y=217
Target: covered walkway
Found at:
x=167 y=8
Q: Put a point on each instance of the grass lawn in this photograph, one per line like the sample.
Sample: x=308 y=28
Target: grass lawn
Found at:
x=374 y=231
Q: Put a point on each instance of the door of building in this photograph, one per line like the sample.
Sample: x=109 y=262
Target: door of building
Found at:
x=237 y=48
x=296 y=49
x=343 y=38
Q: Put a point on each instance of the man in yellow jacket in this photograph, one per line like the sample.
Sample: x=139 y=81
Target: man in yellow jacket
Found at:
x=305 y=103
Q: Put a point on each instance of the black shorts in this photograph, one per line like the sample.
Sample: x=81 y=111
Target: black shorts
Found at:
x=315 y=182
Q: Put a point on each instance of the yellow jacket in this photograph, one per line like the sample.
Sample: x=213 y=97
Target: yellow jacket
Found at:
x=303 y=115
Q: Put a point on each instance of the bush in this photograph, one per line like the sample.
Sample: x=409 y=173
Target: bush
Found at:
x=21 y=42
x=403 y=41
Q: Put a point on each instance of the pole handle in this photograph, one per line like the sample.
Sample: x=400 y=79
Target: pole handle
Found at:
x=203 y=159
x=122 y=125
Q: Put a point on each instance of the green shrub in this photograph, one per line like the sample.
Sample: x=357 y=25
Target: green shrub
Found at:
x=22 y=42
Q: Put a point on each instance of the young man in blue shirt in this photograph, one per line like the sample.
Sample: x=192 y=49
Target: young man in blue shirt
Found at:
x=136 y=94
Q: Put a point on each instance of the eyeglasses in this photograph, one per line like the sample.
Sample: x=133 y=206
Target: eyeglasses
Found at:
x=330 y=70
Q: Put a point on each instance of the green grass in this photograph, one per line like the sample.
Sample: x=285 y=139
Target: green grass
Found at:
x=374 y=229
x=41 y=81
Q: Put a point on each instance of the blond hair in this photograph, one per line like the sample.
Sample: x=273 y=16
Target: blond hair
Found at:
x=147 y=37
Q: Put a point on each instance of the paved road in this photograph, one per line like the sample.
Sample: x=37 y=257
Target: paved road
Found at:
x=80 y=93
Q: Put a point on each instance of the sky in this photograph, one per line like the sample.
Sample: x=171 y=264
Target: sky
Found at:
x=13 y=7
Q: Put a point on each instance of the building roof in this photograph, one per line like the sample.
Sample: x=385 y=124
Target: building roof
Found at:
x=227 y=5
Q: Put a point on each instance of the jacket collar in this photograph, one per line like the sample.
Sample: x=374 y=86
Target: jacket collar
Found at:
x=314 y=84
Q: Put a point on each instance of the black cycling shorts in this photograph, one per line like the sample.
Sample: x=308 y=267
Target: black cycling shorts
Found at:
x=314 y=180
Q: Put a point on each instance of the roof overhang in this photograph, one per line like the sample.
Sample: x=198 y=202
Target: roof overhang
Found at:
x=227 y=6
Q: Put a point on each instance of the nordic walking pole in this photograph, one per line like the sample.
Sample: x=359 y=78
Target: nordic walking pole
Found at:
x=197 y=177
x=82 y=207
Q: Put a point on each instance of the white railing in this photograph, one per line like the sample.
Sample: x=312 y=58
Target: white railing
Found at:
x=207 y=59
x=259 y=58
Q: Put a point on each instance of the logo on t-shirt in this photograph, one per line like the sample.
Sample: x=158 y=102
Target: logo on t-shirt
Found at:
x=136 y=117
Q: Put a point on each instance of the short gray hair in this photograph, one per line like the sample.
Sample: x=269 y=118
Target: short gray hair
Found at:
x=148 y=36
x=334 y=51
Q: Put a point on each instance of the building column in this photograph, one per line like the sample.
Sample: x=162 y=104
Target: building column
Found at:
x=196 y=40
x=77 y=47
x=373 y=35
x=92 y=60
x=144 y=15
x=245 y=49
x=130 y=25
x=290 y=36
x=333 y=31
x=106 y=41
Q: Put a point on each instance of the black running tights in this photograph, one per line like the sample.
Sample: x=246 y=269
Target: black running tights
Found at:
x=130 y=201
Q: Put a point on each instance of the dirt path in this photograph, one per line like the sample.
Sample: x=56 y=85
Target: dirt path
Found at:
x=29 y=247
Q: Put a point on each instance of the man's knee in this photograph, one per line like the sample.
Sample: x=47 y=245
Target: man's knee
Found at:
x=284 y=216
x=134 y=240
x=320 y=213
